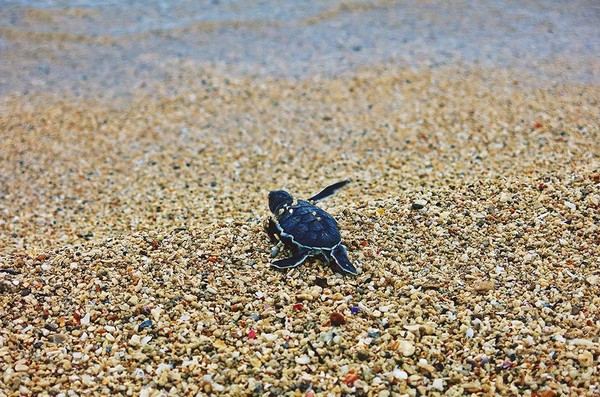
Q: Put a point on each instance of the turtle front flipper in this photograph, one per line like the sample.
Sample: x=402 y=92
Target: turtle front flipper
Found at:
x=328 y=191
x=296 y=260
x=340 y=256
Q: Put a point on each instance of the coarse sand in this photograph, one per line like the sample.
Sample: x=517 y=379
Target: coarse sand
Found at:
x=134 y=260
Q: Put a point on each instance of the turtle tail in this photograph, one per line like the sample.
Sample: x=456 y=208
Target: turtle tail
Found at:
x=340 y=256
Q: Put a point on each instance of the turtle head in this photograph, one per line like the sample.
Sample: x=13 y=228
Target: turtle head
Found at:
x=278 y=199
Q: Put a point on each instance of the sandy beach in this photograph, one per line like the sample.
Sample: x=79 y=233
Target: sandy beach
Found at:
x=134 y=261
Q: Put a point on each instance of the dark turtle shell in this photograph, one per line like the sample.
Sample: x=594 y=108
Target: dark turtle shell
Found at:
x=309 y=226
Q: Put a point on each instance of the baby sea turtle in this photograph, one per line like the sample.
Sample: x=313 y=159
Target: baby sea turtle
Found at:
x=306 y=229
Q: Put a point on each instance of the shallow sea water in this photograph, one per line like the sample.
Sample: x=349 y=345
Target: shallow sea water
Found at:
x=111 y=48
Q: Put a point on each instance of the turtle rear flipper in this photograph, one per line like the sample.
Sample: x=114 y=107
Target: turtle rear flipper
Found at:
x=340 y=257
x=328 y=191
x=295 y=260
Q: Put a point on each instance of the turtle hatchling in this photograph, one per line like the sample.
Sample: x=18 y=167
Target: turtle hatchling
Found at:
x=306 y=230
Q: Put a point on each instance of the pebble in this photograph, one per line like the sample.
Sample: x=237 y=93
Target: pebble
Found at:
x=438 y=384
x=21 y=368
x=270 y=337
x=337 y=319
x=400 y=374
x=405 y=347
x=580 y=342
x=419 y=204
x=594 y=279
x=586 y=359
x=504 y=197
x=135 y=341
x=484 y=286
x=85 y=320
x=58 y=338
x=302 y=360
x=304 y=297
x=144 y=325
x=472 y=387
x=425 y=366
x=156 y=313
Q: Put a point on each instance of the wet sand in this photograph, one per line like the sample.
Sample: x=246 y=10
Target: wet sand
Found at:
x=134 y=260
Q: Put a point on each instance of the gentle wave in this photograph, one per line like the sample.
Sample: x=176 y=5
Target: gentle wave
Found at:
x=120 y=45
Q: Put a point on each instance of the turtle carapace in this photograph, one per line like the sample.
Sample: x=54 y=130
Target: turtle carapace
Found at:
x=306 y=229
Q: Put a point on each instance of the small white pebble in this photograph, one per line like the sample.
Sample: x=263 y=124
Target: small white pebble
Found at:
x=117 y=369
x=504 y=197
x=270 y=337
x=594 y=279
x=325 y=336
x=21 y=368
x=218 y=387
x=470 y=333
x=559 y=338
x=406 y=348
x=438 y=384
x=302 y=360
x=580 y=342
x=135 y=340
x=156 y=313
x=399 y=374
x=85 y=320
